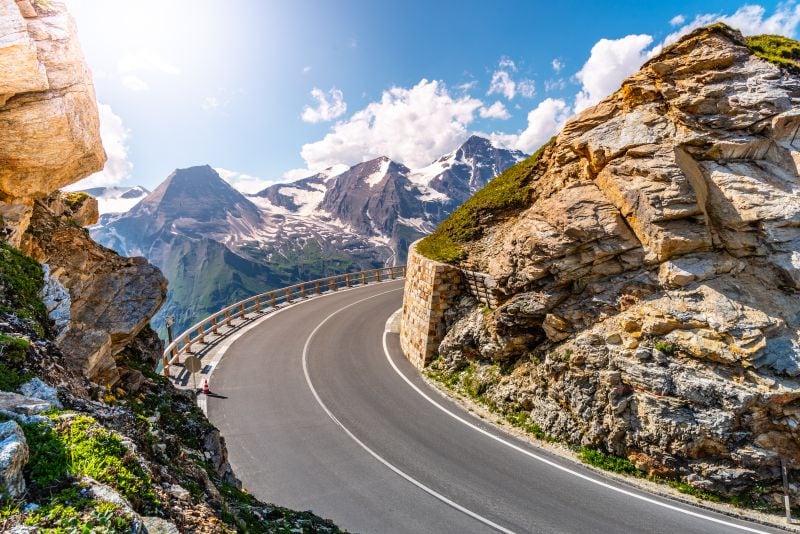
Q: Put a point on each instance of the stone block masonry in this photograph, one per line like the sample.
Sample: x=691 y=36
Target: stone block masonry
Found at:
x=431 y=288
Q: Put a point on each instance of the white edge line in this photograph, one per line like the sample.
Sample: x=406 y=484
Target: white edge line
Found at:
x=374 y=454
x=554 y=464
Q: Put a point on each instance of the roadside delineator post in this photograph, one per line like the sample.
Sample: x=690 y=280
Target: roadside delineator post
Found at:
x=206 y=389
x=786 y=501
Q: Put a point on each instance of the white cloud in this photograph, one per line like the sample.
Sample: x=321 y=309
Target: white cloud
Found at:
x=132 y=65
x=115 y=141
x=526 y=88
x=495 y=111
x=555 y=85
x=749 y=19
x=610 y=61
x=299 y=174
x=210 y=103
x=242 y=182
x=544 y=121
x=677 y=20
x=502 y=84
x=146 y=60
x=327 y=109
x=507 y=63
x=413 y=126
x=134 y=83
x=557 y=65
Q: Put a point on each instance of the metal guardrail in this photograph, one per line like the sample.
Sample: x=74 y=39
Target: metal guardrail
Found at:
x=269 y=300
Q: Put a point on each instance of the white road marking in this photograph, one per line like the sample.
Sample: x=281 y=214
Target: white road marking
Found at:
x=374 y=454
x=549 y=462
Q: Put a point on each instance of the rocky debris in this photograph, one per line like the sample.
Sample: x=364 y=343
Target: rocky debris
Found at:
x=48 y=111
x=649 y=288
x=111 y=298
x=21 y=404
x=156 y=525
x=39 y=390
x=57 y=301
x=13 y=456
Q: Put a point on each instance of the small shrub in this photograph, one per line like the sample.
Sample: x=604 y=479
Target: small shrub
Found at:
x=48 y=462
x=21 y=280
x=14 y=349
x=667 y=348
x=11 y=379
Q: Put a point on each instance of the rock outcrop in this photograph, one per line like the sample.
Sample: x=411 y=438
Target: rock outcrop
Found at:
x=49 y=125
x=111 y=298
x=13 y=455
x=648 y=288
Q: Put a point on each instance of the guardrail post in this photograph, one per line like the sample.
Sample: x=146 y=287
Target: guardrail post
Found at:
x=188 y=345
x=332 y=285
x=378 y=274
x=302 y=291
x=165 y=365
x=258 y=304
x=200 y=335
x=363 y=278
x=228 y=317
x=347 y=279
x=288 y=295
x=214 y=326
x=241 y=311
x=391 y=273
x=319 y=290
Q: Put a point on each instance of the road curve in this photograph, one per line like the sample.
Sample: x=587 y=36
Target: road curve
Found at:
x=317 y=416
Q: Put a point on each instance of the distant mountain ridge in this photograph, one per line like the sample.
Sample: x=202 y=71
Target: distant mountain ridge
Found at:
x=216 y=245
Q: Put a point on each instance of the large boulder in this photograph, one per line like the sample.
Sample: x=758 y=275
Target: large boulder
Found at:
x=13 y=457
x=48 y=112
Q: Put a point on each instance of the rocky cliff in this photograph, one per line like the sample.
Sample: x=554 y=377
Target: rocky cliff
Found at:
x=91 y=439
x=645 y=268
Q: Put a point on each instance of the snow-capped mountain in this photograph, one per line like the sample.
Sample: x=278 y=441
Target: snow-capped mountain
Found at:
x=117 y=199
x=216 y=245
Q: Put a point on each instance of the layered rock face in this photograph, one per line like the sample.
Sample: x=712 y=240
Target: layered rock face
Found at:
x=49 y=126
x=649 y=292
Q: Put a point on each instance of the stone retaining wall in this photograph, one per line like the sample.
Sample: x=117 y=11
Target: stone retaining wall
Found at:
x=431 y=288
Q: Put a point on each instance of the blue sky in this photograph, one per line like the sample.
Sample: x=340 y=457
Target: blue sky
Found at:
x=272 y=90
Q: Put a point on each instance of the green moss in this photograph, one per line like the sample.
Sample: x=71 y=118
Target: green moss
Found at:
x=509 y=191
x=48 y=464
x=21 y=280
x=667 y=348
x=607 y=462
x=776 y=49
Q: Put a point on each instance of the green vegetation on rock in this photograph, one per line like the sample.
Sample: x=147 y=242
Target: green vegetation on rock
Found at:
x=507 y=192
x=781 y=51
x=21 y=280
x=607 y=462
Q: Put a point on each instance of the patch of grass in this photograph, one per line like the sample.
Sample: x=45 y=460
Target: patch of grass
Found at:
x=607 y=462
x=69 y=511
x=11 y=379
x=667 y=348
x=49 y=463
x=509 y=191
x=776 y=49
x=21 y=280
x=683 y=487
x=522 y=419
x=14 y=349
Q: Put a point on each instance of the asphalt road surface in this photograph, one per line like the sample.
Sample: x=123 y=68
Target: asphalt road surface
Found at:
x=321 y=412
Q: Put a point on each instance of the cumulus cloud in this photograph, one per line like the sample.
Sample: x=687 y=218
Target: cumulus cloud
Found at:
x=413 y=126
x=242 y=182
x=544 y=121
x=115 y=136
x=502 y=84
x=526 y=88
x=555 y=85
x=610 y=61
x=495 y=111
x=677 y=20
x=557 y=65
x=329 y=106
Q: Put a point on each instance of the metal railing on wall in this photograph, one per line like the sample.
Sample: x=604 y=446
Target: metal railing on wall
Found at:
x=271 y=300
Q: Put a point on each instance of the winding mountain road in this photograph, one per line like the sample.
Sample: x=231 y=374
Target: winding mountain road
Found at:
x=321 y=411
